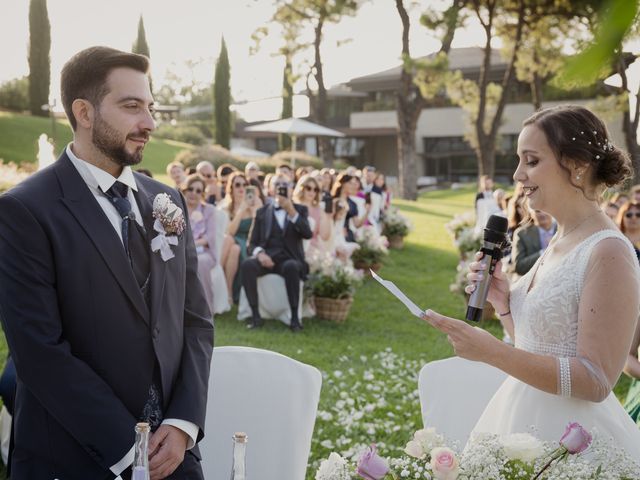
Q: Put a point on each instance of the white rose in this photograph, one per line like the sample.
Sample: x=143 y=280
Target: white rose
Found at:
x=333 y=468
x=522 y=446
x=161 y=202
x=414 y=449
x=428 y=438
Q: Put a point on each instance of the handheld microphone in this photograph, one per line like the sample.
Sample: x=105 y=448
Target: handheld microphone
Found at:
x=495 y=239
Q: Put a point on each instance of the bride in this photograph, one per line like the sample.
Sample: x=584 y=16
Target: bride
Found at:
x=573 y=315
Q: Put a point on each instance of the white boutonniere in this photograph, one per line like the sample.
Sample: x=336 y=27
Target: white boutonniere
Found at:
x=169 y=224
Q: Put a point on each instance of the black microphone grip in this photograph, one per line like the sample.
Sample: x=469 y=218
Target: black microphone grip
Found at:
x=479 y=296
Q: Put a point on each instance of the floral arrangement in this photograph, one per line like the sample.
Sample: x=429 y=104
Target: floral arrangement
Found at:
x=169 y=223
x=460 y=222
x=373 y=246
x=491 y=457
x=460 y=281
x=394 y=224
x=330 y=277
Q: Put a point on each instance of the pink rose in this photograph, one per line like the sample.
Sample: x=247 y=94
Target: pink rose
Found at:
x=575 y=439
x=444 y=463
x=372 y=466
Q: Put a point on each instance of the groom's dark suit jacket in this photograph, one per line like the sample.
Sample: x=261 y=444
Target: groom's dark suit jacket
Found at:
x=82 y=336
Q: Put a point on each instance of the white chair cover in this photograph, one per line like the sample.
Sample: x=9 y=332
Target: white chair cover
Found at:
x=272 y=300
x=218 y=281
x=5 y=434
x=453 y=394
x=270 y=397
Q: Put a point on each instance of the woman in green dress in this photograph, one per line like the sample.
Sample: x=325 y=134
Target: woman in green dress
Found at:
x=632 y=368
x=241 y=206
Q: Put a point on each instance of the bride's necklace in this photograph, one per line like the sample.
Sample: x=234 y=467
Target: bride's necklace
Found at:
x=554 y=240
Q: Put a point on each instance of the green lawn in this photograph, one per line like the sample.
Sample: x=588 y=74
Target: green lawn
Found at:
x=19 y=142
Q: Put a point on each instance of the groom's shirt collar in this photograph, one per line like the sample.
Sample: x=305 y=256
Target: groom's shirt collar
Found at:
x=96 y=177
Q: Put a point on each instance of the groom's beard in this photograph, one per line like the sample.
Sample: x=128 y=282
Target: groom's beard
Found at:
x=106 y=139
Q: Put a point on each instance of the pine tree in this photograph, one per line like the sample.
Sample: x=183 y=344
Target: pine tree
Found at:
x=141 y=46
x=284 y=141
x=222 y=98
x=39 y=60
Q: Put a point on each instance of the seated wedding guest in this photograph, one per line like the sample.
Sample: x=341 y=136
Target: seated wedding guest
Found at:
x=611 y=209
x=208 y=173
x=286 y=170
x=258 y=184
x=339 y=243
x=380 y=187
x=531 y=240
x=276 y=246
x=632 y=368
x=498 y=196
x=635 y=193
x=241 y=205
x=628 y=222
x=516 y=210
x=344 y=187
x=223 y=173
x=485 y=189
x=307 y=193
x=251 y=171
x=302 y=171
x=176 y=172
x=268 y=193
x=327 y=179
x=145 y=171
x=368 y=177
x=620 y=198
x=203 y=226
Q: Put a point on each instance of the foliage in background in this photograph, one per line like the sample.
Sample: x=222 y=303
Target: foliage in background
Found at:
x=14 y=94
x=39 y=61
x=222 y=98
x=182 y=132
x=141 y=46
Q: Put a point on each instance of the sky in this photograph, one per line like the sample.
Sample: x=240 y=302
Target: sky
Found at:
x=191 y=30
x=179 y=31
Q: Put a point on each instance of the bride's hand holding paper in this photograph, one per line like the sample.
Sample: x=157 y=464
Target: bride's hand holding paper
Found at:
x=472 y=343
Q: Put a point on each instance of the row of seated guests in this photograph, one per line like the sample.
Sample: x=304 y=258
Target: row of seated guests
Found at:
x=335 y=204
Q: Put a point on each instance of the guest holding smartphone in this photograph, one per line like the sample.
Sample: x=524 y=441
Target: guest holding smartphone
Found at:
x=307 y=193
x=241 y=204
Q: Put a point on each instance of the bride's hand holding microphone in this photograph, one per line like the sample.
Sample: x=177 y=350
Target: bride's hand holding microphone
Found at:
x=487 y=283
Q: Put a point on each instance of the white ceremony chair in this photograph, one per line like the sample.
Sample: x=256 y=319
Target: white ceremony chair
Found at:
x=453 y=394
x=218 y=281
x=270 y=397
x=272 y=300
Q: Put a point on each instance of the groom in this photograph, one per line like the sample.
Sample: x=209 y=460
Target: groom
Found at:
x=105 y=331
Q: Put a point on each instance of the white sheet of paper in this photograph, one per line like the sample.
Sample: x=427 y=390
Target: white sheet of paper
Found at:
x=413 y=308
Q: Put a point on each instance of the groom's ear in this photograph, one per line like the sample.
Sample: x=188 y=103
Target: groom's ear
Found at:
x=83 y=112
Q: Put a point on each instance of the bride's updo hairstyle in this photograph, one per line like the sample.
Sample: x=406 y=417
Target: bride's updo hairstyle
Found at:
x=575 y=133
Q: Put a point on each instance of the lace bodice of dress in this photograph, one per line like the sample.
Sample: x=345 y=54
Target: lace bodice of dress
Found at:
x=546 y=317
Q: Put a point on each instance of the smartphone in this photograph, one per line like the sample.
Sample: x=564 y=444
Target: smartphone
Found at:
x=328 y=202
x=250 y=193
x=282 y=190
x=367 y=198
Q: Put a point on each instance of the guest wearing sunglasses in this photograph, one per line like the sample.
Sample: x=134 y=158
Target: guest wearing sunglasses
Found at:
x=307 y=193
x=241 y=209
x=212 y=190
x=629 y=223
x=203 y=226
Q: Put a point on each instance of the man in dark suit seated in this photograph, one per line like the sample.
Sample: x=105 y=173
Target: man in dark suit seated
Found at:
x=530 y=241
x=275 y=241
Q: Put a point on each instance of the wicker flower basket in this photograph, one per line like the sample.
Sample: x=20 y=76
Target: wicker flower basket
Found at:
x=334 y=309
x=396 y=242
x=364 y=266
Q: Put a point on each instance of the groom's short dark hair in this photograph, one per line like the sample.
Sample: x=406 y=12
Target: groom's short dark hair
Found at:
x=85 y=75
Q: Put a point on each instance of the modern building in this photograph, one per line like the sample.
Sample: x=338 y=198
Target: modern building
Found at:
x=364 y=108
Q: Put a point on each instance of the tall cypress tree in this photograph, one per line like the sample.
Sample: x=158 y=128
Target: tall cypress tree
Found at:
x=222 y=98
x=39 y=61
x=141 y=46
x=284 y=141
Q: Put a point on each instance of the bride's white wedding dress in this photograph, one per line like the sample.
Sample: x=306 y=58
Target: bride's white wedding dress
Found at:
x=546 y=322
